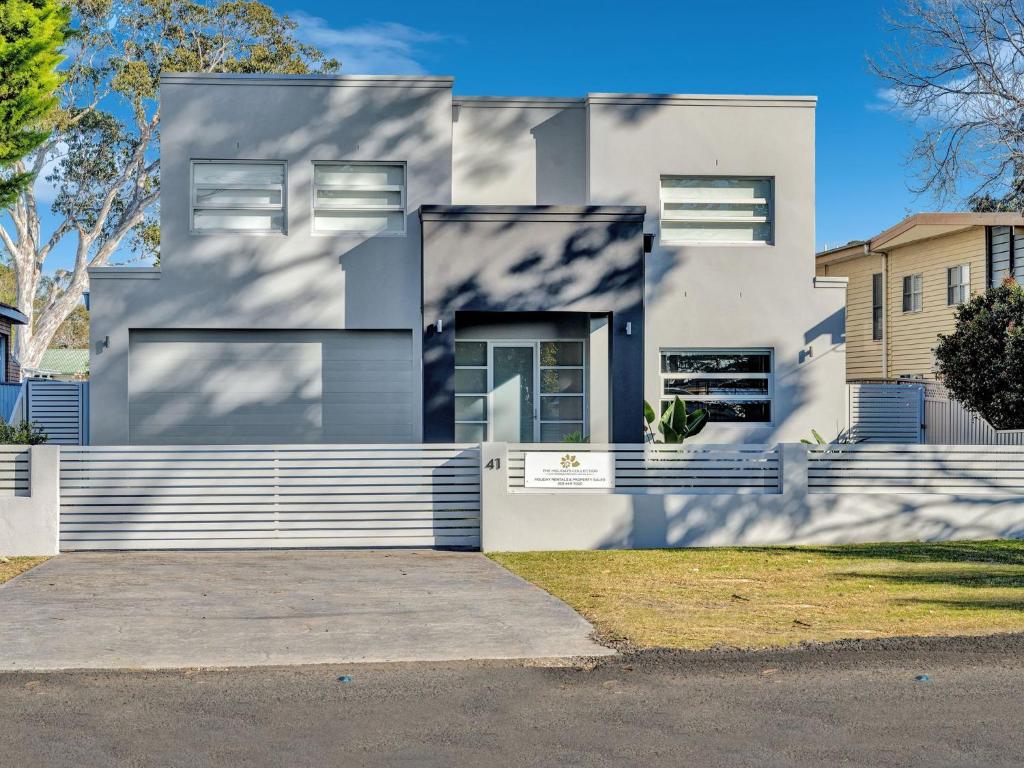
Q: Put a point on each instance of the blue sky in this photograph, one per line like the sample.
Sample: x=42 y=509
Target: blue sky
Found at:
x=569 y=48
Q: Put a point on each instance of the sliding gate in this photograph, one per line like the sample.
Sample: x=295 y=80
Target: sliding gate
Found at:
x=241 y=497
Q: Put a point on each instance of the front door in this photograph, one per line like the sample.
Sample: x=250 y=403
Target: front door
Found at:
x=513 y=392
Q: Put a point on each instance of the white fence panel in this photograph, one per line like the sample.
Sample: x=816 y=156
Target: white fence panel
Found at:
x=14 y=467
x=886 y=413
x=948 y=422
x=668 y=469
x=195 y=497
x=945 y=469
x=61 y=409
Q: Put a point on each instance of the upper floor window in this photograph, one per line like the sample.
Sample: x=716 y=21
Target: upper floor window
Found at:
x=1005 y=254
x=367 y=198
x=913 y=293
x=958 y=284
x=238 y=196
x=716 y=210
x=877 y=307
x=730 y=384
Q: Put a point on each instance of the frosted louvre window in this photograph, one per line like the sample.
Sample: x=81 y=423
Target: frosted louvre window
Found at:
x=367 y=198
x=704 y=209
x=238 y=196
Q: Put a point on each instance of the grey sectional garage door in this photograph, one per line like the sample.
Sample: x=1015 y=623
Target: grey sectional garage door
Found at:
x=214 y=387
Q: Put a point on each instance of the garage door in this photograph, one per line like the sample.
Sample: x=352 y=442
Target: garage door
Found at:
x=244 y=387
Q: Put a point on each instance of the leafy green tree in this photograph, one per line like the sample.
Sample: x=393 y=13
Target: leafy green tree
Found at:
x=31 y=36
x=982 y=361
x=104 y=150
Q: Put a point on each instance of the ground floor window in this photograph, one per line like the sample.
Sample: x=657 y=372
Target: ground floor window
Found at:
x=520 y=391
x=732 y=385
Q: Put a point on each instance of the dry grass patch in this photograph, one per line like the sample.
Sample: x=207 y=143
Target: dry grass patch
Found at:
x=754 y=597
x=12 y=566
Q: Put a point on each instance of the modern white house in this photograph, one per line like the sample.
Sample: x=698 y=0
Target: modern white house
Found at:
x=355 y=259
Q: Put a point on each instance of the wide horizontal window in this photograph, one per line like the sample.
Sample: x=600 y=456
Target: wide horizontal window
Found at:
x=714 y=209
x=238 y=196
x=359 y=197
x=731 y=385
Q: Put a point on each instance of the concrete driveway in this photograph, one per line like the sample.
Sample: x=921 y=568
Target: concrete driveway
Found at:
x=221 y=609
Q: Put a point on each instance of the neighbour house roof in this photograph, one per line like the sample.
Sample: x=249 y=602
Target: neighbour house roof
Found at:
x=65 y=362
x=920 y=226
x=13 y=314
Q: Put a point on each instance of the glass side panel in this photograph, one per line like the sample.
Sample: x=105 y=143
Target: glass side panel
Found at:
x=470 y=433
x=471 y=408
x=561 y=353
x=471 y=381
x=562 y=408
x=555 y=380
x=471 y=353
x=556 y=433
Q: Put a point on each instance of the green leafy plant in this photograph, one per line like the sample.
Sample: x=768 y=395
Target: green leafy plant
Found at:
x=676 y=423
x=818 y=439
x=981 y=362
x=25 y=433
x=576 y=437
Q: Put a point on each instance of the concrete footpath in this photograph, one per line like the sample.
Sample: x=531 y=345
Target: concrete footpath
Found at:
x=225 y=609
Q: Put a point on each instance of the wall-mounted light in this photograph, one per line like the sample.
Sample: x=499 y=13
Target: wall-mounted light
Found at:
x=439 y=325
x=629 y=329
x=648 y=242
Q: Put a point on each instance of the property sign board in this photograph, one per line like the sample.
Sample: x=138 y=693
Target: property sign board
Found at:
x=571 y=470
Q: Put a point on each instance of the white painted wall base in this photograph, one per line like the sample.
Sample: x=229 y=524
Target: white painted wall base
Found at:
x=29 y=525
x=522 y=522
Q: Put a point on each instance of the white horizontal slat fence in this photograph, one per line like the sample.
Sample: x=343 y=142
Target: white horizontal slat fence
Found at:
x=945 y=469
x=196 y=497
x=655 y=468
x=14 y=467
x=885 y=413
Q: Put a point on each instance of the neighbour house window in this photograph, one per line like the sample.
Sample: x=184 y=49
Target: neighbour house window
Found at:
x=1005 y=254
x=733 y=385
x=242 y=196
x=913 y=293
x=716 y=210
x=877 y=292
x=470 y=391
x=367 y=198
x=958 y=284
x=3 y=359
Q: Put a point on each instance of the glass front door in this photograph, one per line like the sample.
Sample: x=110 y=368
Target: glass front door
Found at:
x=520 y=391
x=513 y=393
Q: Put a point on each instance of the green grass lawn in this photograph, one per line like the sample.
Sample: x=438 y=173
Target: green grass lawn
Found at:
x=12 y=566
x=754 y=597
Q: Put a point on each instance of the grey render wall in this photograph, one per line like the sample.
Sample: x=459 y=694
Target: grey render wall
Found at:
x=293 y=281
x=526 y=259
x=730 y=296
x=519 y=151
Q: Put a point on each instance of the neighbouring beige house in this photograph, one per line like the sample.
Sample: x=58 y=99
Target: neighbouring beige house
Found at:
x=905 y=283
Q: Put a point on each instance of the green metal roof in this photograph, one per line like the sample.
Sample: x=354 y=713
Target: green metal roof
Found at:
x=65 y=361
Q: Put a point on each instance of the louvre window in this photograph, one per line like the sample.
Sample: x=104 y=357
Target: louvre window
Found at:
x=715 y=210
x=244 y=196
x=731 y=385
x=365 y=198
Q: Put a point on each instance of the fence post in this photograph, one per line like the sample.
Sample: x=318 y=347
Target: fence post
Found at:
x=30 y=525
x=493 y=488
x=794 y=477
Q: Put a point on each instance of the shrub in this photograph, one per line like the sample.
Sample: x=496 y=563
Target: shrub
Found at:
x=982 y=361
x=25 y=433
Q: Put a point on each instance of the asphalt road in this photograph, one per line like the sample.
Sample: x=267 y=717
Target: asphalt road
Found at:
x=854 y=704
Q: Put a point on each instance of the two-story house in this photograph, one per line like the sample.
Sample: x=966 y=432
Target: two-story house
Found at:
x=906 y=283
x=372 y=259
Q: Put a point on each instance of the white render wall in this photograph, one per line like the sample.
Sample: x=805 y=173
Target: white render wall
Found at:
x=599 y=150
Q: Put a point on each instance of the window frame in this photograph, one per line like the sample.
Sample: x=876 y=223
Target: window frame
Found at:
x=769 y=377
x=5 y=343
x=916 y=281
x=769 y=219
x=400 y=188
x=194 y=205
x=961 y=288
x=877 y=306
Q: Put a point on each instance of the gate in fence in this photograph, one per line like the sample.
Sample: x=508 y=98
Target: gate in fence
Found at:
x=61 y=409
x=244 y=497
x=886 y=413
